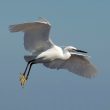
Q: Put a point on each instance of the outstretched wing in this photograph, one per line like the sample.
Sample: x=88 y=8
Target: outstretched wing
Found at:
x=77 y=63
x=36 y=35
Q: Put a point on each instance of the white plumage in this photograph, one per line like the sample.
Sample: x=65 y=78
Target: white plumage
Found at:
x=38 y=42
x=36 y=35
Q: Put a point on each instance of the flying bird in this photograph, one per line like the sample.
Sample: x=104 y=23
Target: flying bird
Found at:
x=38 y=42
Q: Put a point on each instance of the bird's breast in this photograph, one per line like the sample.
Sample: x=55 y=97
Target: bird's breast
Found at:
x=52 y=54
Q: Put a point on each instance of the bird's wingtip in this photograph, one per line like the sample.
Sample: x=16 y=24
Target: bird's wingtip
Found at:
x=10 y=27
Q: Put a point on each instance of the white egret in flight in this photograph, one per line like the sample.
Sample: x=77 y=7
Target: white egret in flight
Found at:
x=43 y=50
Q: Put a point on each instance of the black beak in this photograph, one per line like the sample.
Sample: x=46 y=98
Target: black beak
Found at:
x=81 y=51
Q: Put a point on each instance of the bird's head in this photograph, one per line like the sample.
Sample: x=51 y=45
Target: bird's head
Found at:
x=73 y=49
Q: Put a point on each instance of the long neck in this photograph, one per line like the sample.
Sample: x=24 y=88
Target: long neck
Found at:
x=66 y=54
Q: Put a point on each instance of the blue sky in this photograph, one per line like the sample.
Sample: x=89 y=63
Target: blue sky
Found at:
x=81 y=23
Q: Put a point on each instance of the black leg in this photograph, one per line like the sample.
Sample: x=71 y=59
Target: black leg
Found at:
x=31 y=63
x=27 y=67
x=24 y=77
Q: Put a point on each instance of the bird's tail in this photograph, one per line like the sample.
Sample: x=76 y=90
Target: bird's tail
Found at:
x=29 y=58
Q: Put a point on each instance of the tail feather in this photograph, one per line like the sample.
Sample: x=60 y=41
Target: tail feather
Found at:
x=29 y=58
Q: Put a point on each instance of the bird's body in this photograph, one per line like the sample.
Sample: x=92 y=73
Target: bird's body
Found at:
x=43 y=50
x=53 y=53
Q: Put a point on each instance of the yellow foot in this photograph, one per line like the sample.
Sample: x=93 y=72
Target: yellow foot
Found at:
x=22 y=80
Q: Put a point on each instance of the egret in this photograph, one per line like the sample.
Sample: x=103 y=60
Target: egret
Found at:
x=43 y=50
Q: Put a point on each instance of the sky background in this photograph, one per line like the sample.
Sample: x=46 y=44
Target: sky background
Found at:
x=84 y=24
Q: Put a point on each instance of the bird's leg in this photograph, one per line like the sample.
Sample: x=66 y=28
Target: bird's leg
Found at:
x=27 y=66
x=23 y=77
x=29 y=70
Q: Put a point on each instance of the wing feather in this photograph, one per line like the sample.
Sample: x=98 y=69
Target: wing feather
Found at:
x=36 y=35
x=29 y=26
x=77 y=63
